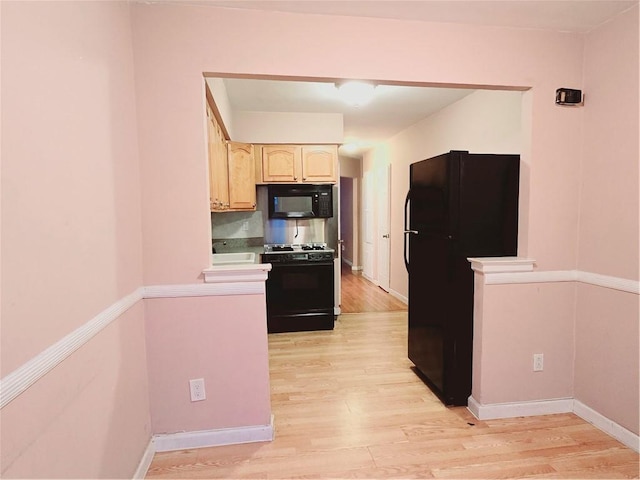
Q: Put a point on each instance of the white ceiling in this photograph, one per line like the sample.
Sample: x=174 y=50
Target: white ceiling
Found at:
x=393 y=108
x=397 y=107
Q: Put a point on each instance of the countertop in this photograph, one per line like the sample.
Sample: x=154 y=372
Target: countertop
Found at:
x=237 y=272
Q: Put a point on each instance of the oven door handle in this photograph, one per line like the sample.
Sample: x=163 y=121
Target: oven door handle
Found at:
x=300 y=264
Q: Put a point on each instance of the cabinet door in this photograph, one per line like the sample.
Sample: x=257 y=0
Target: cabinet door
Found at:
x=218 y=170
x=319 y=163
x=281 y=163
x=242 y=181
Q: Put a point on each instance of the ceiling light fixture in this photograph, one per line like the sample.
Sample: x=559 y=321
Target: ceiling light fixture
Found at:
x=355 y=147
x=356 y=93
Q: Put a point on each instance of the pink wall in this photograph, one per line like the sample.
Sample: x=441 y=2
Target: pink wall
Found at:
x=71 y=238
x=104 y=188
x=606 y=359
x=174 y=44
x=591 y=333
x=515 y=322
x=607 y=344
x=608 y=234
x=221 y=339
x=70 y=181
x=207 y=39
x=89 y=416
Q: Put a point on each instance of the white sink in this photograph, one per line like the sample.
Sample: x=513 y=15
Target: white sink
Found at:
x=229 y=258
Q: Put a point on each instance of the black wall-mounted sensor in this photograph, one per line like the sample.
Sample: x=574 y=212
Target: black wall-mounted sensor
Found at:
x=568 y=96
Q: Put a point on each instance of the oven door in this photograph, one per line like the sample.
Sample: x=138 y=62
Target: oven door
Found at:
x=300 y=297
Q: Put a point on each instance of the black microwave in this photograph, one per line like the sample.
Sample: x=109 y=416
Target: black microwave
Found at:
x=300 y=201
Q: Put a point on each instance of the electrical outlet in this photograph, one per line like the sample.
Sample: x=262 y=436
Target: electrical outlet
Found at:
x=245 y=225
x=538 y=362
x=196 y=386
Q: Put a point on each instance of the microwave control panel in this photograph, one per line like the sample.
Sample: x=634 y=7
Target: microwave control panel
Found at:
x=324 y=205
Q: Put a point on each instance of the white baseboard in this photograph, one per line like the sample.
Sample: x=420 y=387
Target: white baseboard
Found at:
x=519 y=409
x=372 y=280
x=549 y=407
x=354 y=268
x=145 y=461
x=610 y=427
x=399 y=296
x=213 y=438
x=202 y=439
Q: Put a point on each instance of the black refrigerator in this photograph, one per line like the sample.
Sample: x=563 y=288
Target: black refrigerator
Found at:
x=459 y=205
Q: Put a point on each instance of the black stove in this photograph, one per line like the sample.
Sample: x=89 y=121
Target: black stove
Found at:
x=300 y=295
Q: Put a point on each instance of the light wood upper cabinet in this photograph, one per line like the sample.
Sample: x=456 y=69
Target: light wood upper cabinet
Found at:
x=319 y=163
x=218 y=166
x=281 y=163
x=242 y=183
x=298 y=164
x=232 y=185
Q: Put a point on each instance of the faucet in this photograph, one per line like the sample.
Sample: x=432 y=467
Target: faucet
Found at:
x=213 y=245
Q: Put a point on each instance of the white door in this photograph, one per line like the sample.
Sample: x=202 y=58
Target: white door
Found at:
x=383 y=177
x=368 y=209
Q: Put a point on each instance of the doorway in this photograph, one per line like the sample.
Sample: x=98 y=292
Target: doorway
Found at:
x=359 y=293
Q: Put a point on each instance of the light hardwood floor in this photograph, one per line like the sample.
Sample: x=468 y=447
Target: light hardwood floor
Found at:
x=347 y=405
x=360 y=295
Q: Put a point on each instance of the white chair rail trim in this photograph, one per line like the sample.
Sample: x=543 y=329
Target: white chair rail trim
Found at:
x=16 y=382
x=515 y=270
x=204 y=289
x=26 y=375
x=29 y=373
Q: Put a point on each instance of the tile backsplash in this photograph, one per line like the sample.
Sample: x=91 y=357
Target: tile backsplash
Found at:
x=231 y=230
x=237 y=225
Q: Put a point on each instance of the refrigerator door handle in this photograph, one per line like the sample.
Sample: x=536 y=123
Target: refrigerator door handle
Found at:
x=407 y=231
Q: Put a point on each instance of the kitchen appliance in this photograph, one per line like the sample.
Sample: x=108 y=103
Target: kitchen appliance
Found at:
x=300 y=287
x=459 y=205
x=300 y=201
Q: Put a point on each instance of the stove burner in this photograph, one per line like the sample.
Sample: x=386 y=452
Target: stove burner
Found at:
x=312 y=247
x=282 y=248
x=287 y=247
